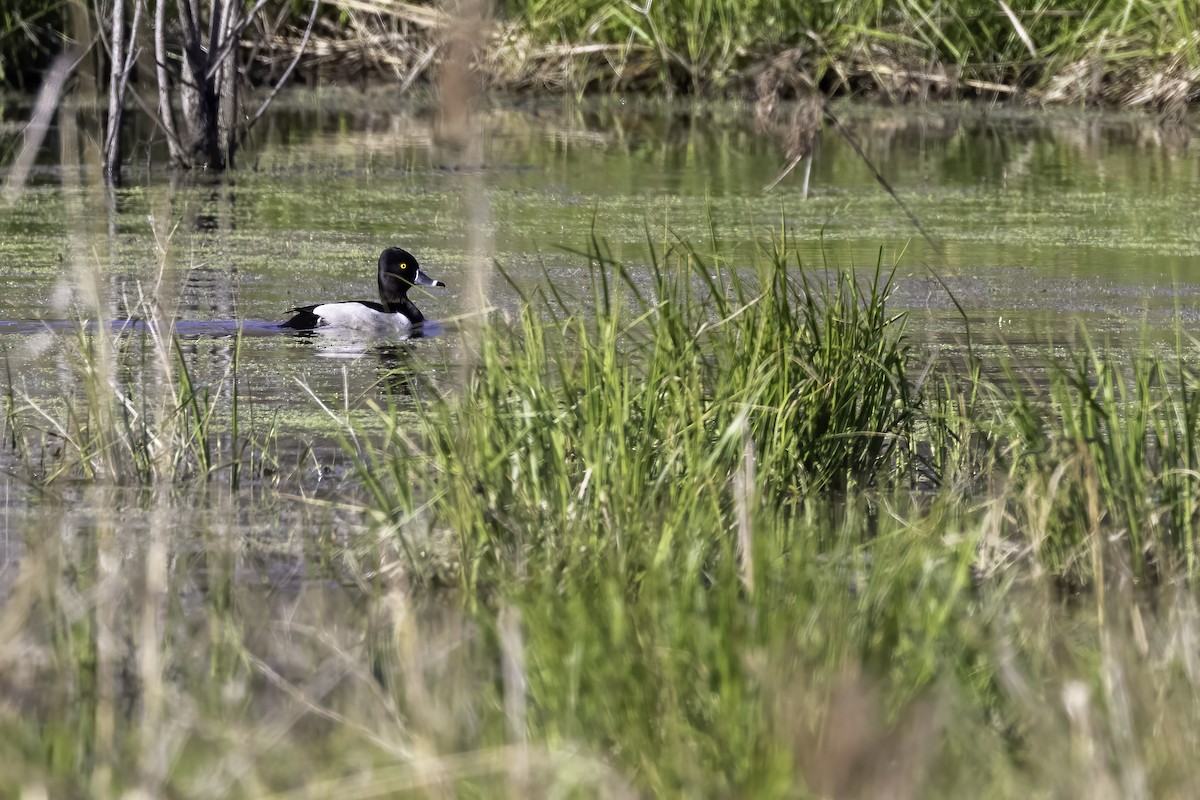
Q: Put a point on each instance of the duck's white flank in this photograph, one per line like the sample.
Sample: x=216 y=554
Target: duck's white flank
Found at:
x=359 y=317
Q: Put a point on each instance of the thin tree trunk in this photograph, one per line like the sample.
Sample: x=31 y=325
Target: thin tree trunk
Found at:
x=188 y=86
x=166 y=115
x=208 y=81
x=209 y=110
x=112 y=137
x=199 y=100
x=132 y=50
x=226 y=83
x=123 y=52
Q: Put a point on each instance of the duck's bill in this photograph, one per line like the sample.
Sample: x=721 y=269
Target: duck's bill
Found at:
x=422 y=279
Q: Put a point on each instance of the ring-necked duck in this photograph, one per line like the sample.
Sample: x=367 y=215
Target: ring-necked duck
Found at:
x=398 y=272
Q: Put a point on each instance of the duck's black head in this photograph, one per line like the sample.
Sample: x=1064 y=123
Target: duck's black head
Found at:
x=398 y=272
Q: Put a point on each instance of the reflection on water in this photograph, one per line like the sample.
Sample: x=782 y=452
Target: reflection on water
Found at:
x=1070 y=198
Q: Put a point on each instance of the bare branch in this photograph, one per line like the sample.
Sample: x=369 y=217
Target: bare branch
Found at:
x=220 y=48
x=312 y=18
x=418 y=67
x=131 y=53
x=112 y=137
x=187 y=17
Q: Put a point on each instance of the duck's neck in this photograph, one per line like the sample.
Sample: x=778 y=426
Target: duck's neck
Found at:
x=405 y=307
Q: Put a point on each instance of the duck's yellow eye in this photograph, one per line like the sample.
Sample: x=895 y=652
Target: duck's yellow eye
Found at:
x=403 y=266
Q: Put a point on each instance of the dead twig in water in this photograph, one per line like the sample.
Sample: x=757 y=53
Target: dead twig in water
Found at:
x=853 y=142
x=312 y=18
x=799 y=133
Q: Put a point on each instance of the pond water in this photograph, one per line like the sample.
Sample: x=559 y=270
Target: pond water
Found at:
x=1042 y=221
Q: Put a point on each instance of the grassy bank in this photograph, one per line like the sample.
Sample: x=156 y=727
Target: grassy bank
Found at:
x=1140 y=54
x=727 y=532
x=1130 y=54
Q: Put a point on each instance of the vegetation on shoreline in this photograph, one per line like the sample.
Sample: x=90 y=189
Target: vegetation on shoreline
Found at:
x=1143 y=54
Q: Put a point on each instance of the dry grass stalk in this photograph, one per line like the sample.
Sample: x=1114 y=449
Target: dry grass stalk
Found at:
x=458 y=92
x=843 y=745
x=39 y=123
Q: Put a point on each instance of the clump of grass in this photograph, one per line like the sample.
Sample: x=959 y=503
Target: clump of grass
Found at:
x=625 y=431
x=1103 y=464
x=697 y=392
x=909 y=49
x=825 y=368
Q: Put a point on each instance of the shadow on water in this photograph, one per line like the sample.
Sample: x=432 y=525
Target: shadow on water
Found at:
x=353 y=341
